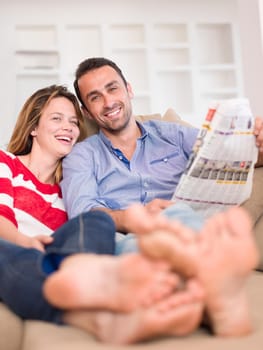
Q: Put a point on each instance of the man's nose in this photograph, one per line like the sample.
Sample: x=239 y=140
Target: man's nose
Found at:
x=107 y=100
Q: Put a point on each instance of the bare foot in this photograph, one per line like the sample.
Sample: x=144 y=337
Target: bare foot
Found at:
x=173 y=240
x=221 y=257
x=229 y=261
x=113 y=283
x=158 y=225
x=179 y=314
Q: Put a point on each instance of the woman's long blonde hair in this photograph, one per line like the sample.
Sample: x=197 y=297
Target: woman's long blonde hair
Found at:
x=21 y=140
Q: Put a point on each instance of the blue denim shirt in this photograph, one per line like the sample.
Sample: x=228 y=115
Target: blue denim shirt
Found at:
x=97 y=175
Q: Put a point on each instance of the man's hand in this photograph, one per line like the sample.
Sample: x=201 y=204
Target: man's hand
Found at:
x=157 y=205
x=151 y=212
x=258 y=132
x=125 y=223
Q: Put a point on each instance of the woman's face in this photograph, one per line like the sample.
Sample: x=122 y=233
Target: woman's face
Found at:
x=57 y=130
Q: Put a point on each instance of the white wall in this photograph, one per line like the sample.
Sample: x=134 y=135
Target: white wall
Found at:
x=244 y=12
x=250 y=14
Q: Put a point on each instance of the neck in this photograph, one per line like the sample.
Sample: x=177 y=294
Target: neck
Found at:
x=125 y=140
x=43 y=168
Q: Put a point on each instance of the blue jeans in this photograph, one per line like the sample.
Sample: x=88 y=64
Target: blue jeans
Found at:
x=178 y=211
x=23 y=270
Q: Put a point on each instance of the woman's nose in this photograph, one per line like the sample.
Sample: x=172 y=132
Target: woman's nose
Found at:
x=67 y=126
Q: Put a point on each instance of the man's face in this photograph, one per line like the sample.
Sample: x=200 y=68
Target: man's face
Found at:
x=107 y=98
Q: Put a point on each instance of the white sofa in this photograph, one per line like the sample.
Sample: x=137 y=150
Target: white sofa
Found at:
x=16 y=334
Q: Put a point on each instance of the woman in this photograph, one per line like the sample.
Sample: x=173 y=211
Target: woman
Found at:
x=31 y=206
x=35 y=237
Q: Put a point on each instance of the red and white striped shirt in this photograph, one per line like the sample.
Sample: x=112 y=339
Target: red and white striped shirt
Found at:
x=33 y=207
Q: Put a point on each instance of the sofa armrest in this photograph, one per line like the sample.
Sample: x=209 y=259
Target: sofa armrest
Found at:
x=254 y=205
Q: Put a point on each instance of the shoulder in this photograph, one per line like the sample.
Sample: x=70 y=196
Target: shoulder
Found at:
x=172 y=132
x=83 y=146
x=88 y=142
x=7 y=157
x=168 y=128
x=91 y=145
x=82 y=152
x=8 y=164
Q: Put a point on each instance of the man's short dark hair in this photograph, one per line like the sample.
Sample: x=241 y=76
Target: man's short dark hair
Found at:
x=91 y=64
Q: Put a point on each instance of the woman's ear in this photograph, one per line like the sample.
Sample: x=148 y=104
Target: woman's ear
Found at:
x=33 y=132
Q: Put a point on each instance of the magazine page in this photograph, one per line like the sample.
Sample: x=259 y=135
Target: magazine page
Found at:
x=220 y=169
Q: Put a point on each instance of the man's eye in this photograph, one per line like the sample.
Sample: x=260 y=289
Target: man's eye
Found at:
x=94 y=98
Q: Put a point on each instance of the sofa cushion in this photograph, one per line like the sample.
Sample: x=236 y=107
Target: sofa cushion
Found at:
x=254 y=205
x=11 y=329
x=42 y=336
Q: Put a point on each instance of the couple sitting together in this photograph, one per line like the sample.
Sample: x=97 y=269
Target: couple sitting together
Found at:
x=120 y=260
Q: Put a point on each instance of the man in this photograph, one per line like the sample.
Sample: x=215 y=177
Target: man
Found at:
x=129 y=162
x=126 y=162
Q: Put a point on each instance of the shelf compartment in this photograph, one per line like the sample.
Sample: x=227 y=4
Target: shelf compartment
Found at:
x=214 y=42
x=170 y=33
x=174 y=89
x=36 y=37
x=82 y=42
x=127 y=35
x=217 y=79
x=36 y=60
x=172 y=57
x=28 y=84
x=134 y=67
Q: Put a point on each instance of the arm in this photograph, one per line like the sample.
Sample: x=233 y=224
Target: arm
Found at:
x=93 y=178
x=79 y=185
x=125 y=224
x=9 y=232
x=8 y=222
x=80 y=188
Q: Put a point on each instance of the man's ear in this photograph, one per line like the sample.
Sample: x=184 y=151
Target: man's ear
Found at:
x=130 y=92
x=86 y=113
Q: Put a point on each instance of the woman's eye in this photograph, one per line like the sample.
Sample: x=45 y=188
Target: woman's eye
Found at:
x=75 y=122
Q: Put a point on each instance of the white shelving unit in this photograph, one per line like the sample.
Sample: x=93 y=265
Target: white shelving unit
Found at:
x=180 y=65
x=179 y=54
x=173 y=73
x=216 y=57
x=37 y=59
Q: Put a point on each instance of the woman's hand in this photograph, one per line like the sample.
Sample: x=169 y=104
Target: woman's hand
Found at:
x=38 y=242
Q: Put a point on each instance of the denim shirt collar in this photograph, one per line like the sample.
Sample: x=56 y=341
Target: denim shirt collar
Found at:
x=107 y=142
